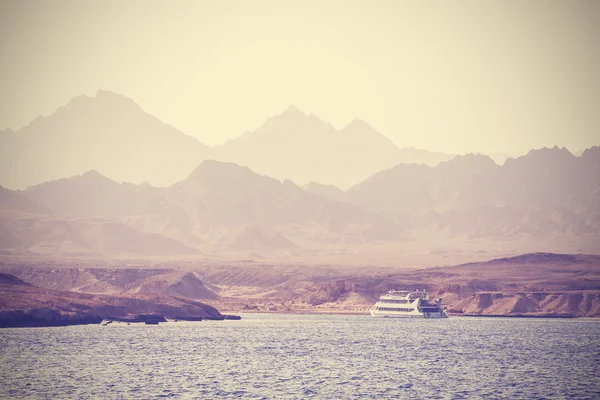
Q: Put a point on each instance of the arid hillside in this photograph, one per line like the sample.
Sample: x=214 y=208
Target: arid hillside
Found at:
x=23 y=304
x=537 y=284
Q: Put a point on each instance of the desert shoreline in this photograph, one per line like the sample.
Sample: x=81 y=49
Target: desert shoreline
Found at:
x=452 y=316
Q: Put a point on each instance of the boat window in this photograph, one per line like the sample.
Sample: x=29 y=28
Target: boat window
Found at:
x=394 y=301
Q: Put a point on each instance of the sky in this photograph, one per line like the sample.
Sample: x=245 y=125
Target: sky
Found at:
x=462 y=76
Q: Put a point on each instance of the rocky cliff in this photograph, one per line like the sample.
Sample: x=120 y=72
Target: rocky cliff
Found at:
x=22 y=304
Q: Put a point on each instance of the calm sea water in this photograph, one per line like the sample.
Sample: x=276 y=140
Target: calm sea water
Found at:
x=306 y=356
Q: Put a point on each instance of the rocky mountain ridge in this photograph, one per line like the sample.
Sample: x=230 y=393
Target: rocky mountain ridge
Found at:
x=107 y=132
x=223 y=208
x=111 y=134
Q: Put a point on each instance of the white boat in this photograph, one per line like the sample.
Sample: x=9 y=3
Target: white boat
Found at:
x=408 y=304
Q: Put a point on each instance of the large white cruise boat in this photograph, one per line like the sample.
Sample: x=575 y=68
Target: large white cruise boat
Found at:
x=408 y=304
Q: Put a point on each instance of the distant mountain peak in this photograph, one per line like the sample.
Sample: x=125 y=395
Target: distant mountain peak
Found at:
x=93 y=176
x=108 y=93
x=473 y=157
x=546 y=155
x=292 y=110
x=592 y=156
x=113 y=98
x=104 y=103
x=328 y=191
x=103 y=95
x=289 y=183
x=592 y=150
x=218 y=169
x=312 y=184
x=92 y=173
x=106 y=131
x=551 y=150
x=471 y=161
x=361 y=131
x=293 y=113
x=290 y=113
x=291 y=119
x=358 y=123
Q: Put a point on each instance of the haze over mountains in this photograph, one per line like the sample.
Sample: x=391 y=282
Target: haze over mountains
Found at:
x=222 y=209
x=547 y=193
x=111 y=134
x=219 y=207
x=398 y=200
x=303 y=148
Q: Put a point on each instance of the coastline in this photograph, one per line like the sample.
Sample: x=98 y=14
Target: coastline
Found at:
x=450 y=315
x=56 y=324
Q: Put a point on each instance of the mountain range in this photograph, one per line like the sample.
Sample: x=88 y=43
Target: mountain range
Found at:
x=78 y=163
x=219 y=207
x=224 y=208
x=546 y=193
x=303 y=148
x=111 y=134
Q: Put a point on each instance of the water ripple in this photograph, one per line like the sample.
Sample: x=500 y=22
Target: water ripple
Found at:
x=304 y=356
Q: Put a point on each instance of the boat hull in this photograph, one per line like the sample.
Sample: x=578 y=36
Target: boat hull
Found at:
x=385 y=314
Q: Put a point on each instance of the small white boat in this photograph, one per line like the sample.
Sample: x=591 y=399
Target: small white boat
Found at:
x=408 y=304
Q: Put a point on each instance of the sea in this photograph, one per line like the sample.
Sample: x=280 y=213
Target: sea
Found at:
x=283 y=356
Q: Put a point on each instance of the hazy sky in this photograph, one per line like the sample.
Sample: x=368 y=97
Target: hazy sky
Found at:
x=456 y=76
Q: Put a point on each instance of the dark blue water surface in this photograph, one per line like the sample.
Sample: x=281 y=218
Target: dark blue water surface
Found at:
x=306 y=356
